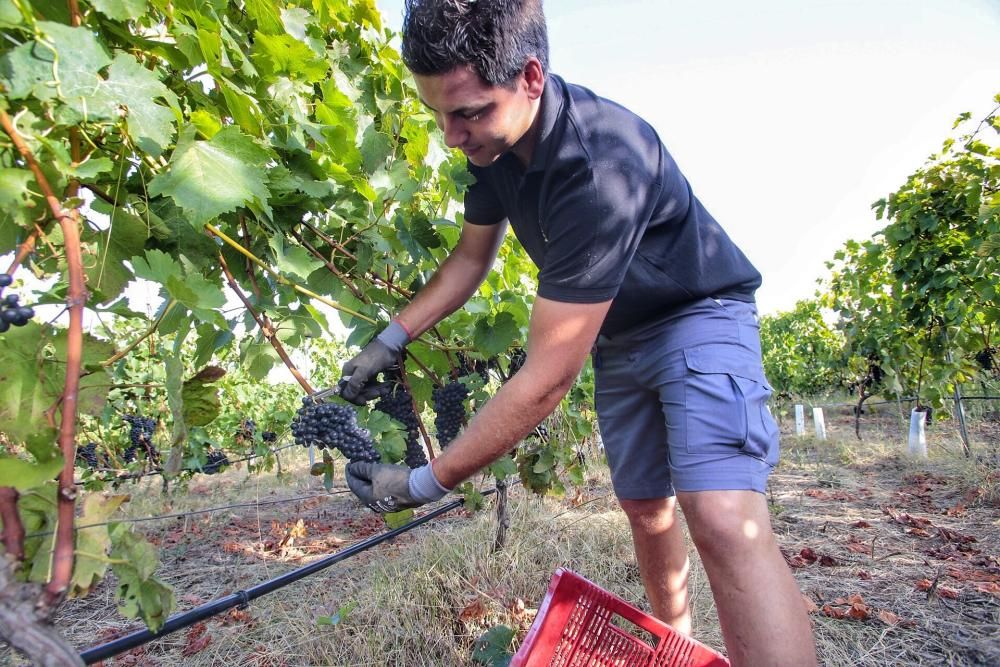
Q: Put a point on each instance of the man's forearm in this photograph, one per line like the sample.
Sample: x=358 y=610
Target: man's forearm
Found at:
x=455 y=281
x=500 y=424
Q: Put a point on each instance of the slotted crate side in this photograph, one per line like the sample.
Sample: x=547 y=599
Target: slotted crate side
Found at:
x=574 y=628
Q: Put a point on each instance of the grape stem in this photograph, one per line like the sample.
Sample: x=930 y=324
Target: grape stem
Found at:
x=416 y=412
x=265 y=327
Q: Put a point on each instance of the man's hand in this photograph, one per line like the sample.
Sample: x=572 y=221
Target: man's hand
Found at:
x=380 y=354
x=390 y=488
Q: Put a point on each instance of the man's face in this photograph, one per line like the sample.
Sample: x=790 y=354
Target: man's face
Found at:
x=483 y=121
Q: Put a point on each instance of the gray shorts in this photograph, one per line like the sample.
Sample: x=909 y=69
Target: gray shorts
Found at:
x=682 y=404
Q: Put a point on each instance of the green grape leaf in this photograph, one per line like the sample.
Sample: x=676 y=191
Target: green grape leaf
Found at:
x=190 y=289
x=134 y=89
x=276 y=55
x=201 y=400
x=293 y=259
x=104 y=262
x=398 y=519
x=265 y=15
x=493 y=647
x=81 y=58
x=175 y=399
x=92 y=544
x=139 y=592
x=493 y=337
x=23 y=475
x=208 y=178
x=26 y=70
x=120 y=10
x=16 y=203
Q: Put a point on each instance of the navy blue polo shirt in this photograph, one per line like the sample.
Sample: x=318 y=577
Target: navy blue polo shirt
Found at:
x=605 y=213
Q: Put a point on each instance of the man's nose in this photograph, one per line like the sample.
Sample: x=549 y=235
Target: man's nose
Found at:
x=455 y=134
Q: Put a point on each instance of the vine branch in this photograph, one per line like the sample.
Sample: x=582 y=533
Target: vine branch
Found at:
x=218 y=233
x=13 y=529
x=265 y=327
x=62 y=562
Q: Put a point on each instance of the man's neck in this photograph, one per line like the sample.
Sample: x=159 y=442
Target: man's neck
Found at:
x=525 y=146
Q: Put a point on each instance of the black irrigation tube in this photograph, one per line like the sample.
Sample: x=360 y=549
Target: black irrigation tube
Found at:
x=242 y=599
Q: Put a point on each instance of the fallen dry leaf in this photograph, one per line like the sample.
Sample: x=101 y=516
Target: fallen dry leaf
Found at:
x=863 y=574
x=924 y=584
x=834 y=612
x=197 y=640
x=949 y=535
x=888 y=617
x=811 y=607
x=808 y=555
x=861 y=524
x=828 y=561
x=474 y=611
x=991 y=587
x=948 y=592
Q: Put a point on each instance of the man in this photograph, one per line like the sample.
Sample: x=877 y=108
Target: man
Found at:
x=629 y=258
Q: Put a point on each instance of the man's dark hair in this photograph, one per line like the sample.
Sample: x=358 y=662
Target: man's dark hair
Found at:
x=495 y=37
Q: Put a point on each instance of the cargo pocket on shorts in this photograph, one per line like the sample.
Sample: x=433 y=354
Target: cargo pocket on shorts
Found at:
x=726 y=403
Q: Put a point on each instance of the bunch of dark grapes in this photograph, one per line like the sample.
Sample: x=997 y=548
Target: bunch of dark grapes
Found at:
x=517 y=359
x=141 y=437
x=216 y=460
x=11 y=311
x=467 y=366
x=986 y=359
x=269 y=436
x=246 y=430
x=328 y=426
x=398 y=404
x=87 y=455
x=541 y=432
x=449 y=408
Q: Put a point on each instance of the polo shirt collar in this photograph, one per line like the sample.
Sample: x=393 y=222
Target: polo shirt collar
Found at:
x=550 y=111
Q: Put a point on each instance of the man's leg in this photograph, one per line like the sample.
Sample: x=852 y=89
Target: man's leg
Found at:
x=761 y=612
x=663 y=559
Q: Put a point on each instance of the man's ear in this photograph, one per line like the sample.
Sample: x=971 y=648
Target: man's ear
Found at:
x=534 y=78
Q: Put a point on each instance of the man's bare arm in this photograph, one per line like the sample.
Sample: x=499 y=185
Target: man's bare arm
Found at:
x=559 y=339
x=456 y=280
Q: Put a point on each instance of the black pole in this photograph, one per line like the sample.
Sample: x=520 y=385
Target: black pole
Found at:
x=242 y=598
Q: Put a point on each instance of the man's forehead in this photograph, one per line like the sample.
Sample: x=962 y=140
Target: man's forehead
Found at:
x=461 y=88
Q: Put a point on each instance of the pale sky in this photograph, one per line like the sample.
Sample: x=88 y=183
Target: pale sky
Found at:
x=789 y=117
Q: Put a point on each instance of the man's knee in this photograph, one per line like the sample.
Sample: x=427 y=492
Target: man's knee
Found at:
x=649 y=514
x=727 y=524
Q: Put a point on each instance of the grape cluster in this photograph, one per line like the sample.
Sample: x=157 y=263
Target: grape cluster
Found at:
x=269 y=436
x=467 y=366
x=216 y=460
x=246 y=430
x=517 y=359
x=398 y=404
x=986 y=358
x=12 y=313
x=541 y=432
x=140 y=437
x=449 y=407
x=87 y=456
x=328 y=425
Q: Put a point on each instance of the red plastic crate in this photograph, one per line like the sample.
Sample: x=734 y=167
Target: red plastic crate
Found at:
x=579 y=623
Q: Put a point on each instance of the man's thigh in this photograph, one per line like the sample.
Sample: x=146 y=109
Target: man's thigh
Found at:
x=703 y=372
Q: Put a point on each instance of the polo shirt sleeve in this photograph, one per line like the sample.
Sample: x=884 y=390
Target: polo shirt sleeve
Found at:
x=482 y=206
x=593 y=221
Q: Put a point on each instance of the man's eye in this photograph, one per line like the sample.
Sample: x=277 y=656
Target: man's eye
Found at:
x=474 y=117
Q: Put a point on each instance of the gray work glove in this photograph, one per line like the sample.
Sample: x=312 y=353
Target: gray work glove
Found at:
x=389 y=488
x=359 y=374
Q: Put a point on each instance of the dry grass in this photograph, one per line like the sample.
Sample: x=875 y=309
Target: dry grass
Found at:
x=424 y=598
